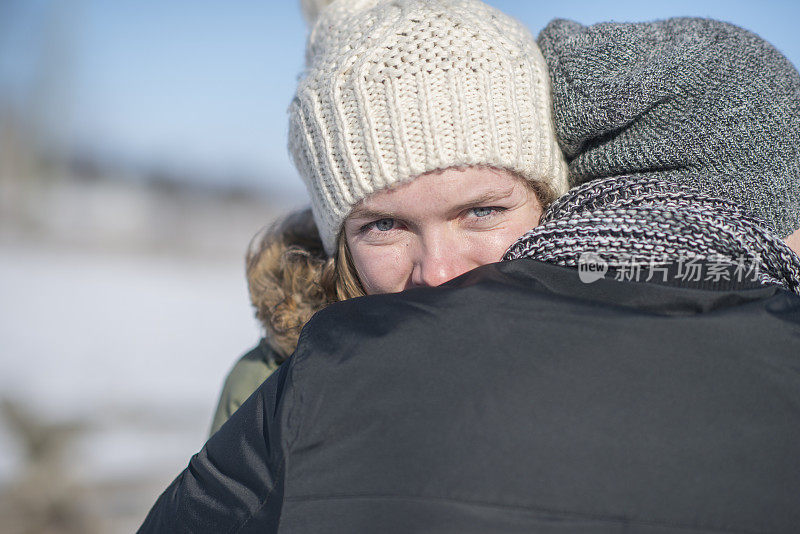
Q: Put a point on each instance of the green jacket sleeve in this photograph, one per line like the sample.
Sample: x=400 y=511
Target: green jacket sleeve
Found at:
x=245 y=377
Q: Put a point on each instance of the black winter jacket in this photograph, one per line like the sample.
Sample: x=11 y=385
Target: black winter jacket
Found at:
x=516 y=399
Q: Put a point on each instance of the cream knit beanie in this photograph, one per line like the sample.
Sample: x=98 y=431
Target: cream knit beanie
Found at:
x=395 y=89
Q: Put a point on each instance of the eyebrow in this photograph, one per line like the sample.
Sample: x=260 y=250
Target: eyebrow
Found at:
x=486 y=198
x=365 y=213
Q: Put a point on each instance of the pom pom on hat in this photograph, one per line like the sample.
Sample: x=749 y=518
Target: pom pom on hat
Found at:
x=312 y=8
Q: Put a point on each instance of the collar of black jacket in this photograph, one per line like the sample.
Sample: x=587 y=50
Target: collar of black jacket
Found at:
x=670 y=297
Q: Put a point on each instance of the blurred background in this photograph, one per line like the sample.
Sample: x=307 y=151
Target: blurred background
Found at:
x=142 y=144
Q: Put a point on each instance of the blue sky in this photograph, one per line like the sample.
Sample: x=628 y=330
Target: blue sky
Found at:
x=204 y=85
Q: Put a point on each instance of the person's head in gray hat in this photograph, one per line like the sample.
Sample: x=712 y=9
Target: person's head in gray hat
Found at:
x=698 y=101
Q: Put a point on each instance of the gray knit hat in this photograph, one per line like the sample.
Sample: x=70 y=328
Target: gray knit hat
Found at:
x=395 y=89
x=697 y=101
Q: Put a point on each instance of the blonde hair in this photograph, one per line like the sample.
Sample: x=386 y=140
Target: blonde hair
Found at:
x=290 y=278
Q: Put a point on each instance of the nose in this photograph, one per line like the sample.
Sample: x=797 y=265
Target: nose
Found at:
x=439 y=260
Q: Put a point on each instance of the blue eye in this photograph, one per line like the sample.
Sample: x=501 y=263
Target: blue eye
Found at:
x=483 y=211
x=384 y=225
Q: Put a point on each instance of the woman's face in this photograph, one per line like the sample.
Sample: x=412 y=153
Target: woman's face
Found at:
x=438 y=226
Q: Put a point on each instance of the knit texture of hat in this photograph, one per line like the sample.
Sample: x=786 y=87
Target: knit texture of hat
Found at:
x=696 y=101
x=392 y=90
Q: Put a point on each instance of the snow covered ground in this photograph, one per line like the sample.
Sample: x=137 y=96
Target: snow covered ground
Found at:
x=133 y=347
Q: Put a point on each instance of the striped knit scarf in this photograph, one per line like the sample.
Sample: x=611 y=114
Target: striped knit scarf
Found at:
x=628 y=222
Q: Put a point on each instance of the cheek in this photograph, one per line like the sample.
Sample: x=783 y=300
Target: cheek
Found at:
x=491 y=246
x=794 y=241
x=381 y=269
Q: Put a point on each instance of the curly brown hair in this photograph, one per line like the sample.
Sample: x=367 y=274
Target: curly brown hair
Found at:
x=290 y=277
